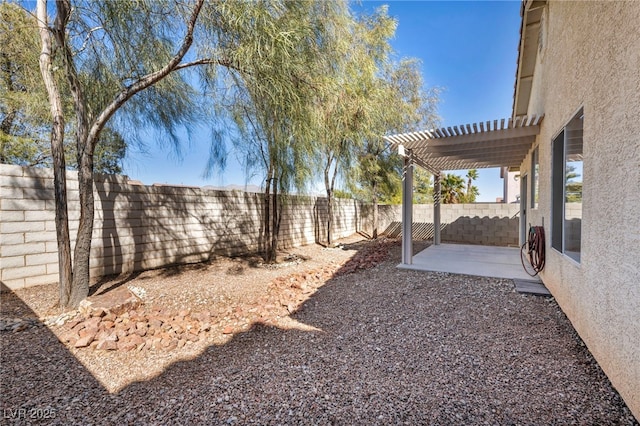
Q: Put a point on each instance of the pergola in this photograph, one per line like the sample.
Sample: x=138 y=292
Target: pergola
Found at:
x=501 y=143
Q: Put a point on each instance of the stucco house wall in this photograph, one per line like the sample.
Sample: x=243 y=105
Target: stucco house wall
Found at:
x=590 y=58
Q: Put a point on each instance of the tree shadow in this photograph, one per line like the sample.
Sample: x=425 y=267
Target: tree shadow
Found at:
x=41 y=381
x=163 y=227
x=381 y=346
x=496 y=231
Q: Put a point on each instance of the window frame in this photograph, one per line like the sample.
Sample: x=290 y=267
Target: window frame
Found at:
x=535 y=178
x=559 y=144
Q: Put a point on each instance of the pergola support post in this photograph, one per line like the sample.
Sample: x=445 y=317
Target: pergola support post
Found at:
x=407 y=211
x=436 y=209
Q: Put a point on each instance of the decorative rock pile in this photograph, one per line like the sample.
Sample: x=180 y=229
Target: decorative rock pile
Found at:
x=156 y=329
x=118 y=320
x=292 y=290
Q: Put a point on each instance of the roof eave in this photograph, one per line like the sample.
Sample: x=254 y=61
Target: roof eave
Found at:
x=531 y=12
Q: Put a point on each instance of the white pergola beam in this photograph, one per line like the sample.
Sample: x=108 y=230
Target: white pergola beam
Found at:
x=436 y=209
x=407 y=211
x=480 y=145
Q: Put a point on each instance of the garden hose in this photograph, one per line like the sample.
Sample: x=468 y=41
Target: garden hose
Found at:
x=533 y=250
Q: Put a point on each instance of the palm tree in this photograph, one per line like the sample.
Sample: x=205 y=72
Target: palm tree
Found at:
x=472 y=190
x=451 y=189
x=472 y=175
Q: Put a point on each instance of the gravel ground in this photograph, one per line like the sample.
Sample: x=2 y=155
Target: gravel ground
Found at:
x=374 y=346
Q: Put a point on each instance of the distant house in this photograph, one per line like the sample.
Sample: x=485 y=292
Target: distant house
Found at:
x=574 y=138
x=511 y=187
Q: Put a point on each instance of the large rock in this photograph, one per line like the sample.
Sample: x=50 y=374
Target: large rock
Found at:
x=116 y=302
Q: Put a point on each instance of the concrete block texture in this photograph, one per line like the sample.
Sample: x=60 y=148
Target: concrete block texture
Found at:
x=478 y=223
x=138 y=227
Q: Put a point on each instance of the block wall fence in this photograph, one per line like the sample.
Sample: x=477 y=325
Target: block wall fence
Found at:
x=141 y=227
x=492 y=224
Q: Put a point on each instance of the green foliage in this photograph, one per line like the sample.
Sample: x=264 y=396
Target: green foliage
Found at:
x=24 y=108
x=379 y=175
x=573 y=185
x=401 y=104
x=350 y=59
x=341 y=193
x=275 y=94
x=347 y=68
x=110 y=151
x=298 y=79
x=472 y=191
x=116 y=43
x=573 y=193
x=422 y=187
x=452 y=189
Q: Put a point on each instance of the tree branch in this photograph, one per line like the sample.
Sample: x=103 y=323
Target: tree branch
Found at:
x=149 y=79
x=86 y=39
x=211 y=61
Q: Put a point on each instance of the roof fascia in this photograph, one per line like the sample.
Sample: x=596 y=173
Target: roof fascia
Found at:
x=530 y=12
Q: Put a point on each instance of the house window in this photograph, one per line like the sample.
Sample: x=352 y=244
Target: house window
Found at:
x=535 y=169
x=566 y=187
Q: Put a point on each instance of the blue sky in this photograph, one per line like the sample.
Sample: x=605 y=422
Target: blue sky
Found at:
x=467 y=48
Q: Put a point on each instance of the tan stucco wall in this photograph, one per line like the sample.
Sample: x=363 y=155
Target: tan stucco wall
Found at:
x=591 y=59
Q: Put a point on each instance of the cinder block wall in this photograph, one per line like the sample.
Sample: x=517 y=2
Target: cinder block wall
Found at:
x=493 y=224
x=140 y=227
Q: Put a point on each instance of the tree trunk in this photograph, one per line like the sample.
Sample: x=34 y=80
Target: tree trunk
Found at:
x=82 y=250
x=329 y=217
x=57 y=152
x=273 y=247
x=76 y=287
x=85 y=145
x=266 y=219
x=329 y=185
x=374 y=234
x=374 y=200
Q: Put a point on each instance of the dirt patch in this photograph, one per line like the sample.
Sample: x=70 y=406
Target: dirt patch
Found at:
x=191 y=305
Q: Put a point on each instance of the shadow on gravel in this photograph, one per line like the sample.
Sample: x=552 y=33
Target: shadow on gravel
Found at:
x=27 y=374
x=396 y=347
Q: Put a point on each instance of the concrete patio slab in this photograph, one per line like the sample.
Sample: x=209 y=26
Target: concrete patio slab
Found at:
x=484 y=261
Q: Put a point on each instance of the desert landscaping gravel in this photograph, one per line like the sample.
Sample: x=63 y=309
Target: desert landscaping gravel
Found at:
x=333 y=336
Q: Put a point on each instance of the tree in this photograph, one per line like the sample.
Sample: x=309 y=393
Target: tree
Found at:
x=422 y=187
x=401 y=104
x=451 y=188
x=125 y=62
x=59 y=166
x=573 y=185
x=349 y=65
x=472 y=191
x=89 y=123
x=276 y=122
x=24 y=108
